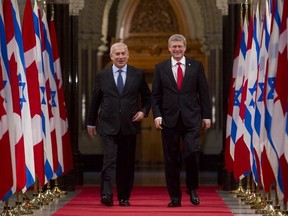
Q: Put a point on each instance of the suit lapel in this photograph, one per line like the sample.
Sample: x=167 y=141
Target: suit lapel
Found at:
x=169 y=73
x=188 y=71
x=129 y=79
x=110 y=76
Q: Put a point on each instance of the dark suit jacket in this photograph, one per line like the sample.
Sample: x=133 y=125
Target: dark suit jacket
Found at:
x=192 y=100
x=110 y=111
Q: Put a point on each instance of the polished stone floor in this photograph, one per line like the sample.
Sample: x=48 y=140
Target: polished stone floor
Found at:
x=143 y=177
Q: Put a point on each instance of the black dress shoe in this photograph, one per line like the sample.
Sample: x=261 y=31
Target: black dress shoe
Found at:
x=174 y=203
x=194 y=198
x=124 y=202
x=107 y=200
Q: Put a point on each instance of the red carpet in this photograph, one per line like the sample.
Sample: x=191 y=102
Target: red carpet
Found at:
x=145 y=201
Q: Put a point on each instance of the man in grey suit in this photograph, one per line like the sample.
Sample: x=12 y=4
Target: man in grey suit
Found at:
x=115 y=113
x=181 y=108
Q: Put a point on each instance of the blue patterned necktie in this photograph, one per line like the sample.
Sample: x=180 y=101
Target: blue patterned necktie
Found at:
x=120 y=83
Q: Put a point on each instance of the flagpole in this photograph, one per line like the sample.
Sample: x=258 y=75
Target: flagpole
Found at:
x=260 y=205
x=240 y=190
x=41 y=196
x=252 y=197
x=56 y=190
x=35 y=202
x=248 y=188
x=277 y=209
x=268 y=209
x=48 y=193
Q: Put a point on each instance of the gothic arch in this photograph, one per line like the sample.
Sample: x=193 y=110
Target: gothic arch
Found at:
x=188 y=15
x=145 y=26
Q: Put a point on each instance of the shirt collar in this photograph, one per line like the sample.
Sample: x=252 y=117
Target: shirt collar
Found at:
x=174 y=62
x=115 y=69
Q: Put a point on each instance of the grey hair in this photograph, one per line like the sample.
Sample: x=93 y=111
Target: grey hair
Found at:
x=116 y=45
x=177 y=37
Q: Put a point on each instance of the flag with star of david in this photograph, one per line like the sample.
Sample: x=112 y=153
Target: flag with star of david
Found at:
x=279 y=112
x=241 y=152
x=53 y=100
x=30 y=53
x=47 y=130
x=270 y=157
x=230 y=143
x=64 y=126
x=20 y=129
x=6 y=174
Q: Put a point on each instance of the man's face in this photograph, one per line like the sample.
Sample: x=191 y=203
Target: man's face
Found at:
x=119 y=56
x=177 y=49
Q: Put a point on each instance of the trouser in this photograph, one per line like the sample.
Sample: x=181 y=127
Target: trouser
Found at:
x=118 y=164
x=172 y=157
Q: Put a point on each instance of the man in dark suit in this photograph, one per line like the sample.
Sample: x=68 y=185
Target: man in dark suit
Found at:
x=181 y=108
x=115 y=114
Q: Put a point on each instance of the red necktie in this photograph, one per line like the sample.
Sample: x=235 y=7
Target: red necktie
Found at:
x=179 y=75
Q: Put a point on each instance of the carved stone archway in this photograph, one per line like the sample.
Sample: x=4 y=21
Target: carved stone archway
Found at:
x=145 y=27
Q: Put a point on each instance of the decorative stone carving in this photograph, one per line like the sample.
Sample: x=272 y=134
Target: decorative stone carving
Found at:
x=154 y=16
x=223 y=6
x=155 y=50
x=236 y=1
x=75 y=6
x=56 y=1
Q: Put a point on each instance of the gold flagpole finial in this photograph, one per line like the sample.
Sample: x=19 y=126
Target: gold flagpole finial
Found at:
x=52 y=12
x=241 y=14
x=251 y=8
x=246 y=9
x=45 y=6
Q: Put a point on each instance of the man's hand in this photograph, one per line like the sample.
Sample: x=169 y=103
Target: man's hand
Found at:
x=158 y=123
x=206 y=123
x=91 y=131
x=138 y=116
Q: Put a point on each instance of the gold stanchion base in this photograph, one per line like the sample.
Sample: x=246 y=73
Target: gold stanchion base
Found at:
x=27 y=204
x=246 y=195
x=7 y=212
x=42 y=198
x=49 y=195
x=58 y=192
x=35 y=201
x=239 y=190
x=258 y=204
x=251 y=200
x=267 y=210
x=276 y=211
x=18 y=209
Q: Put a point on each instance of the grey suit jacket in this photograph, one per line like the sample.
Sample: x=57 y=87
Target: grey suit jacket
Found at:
x=192 y=101
x=110 y=111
